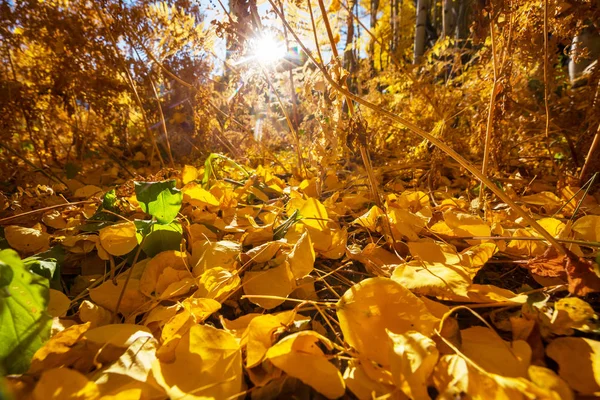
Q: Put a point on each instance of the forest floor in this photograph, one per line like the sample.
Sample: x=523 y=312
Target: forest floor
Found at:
x=221 y=280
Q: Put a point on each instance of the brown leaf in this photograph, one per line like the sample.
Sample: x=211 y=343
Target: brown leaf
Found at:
x=548 y=264
x=582 y=278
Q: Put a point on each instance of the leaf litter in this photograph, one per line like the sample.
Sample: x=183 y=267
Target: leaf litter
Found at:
x=229 y=282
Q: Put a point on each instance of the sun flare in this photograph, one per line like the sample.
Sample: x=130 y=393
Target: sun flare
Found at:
x=267 y=50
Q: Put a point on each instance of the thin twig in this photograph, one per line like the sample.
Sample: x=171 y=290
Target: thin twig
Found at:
x=7 y=219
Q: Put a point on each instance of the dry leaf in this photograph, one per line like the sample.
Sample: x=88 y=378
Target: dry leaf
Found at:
x=369 y=308
x=118 y=239
x=299 y=356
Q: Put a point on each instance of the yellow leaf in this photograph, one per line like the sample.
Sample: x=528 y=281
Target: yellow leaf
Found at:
x=370 y=307
x=299 y=356
x=65 y=384
x=548 y=200
x=433 y=279
x=118 y=239
x=119 y=335
x=430 y=251
x=94 y=314
x=371 y=219
x=453 y=376
x=548 y=380
x=587 y=228
x=493 y=294
x=27 y=240
x=195 y=195
x=206 y=255
x=152 y=281
x=188 y=173
x=364 y=387
x=490 y=352
x=337 y=248
x=314 y=214
x=259 y=334
x=239 y=326
x=302 y=257
x=87 y=191
x=578 y=362
x=406 y=224
x=476 y=256
x=464 y=224
x=59 y=304
x=217 y=283
x=413 y=358
x=572 y=313
x=208 y=364
x=525 y=247
x=54 y=219
x=200 y=232
x=107 y=295
x=276 y=281
x=58 y=350
x=200 y=309
x=264 y=252
x=130 y=370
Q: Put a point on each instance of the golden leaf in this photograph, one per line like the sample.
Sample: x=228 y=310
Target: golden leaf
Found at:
x=277 y=281
x=578 y=363
x=208 y=363
x=299 y=356
x=375 y=305
x=118 y=239
x=302 y=257
x=413 y=358
x=26 y=240
x=65 y=383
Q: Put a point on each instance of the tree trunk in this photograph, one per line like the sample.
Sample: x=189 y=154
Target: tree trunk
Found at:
x=449 y=18
x=587 y=41
x=374 y=9
x=349 y=61
x=420 y=30
x=462 y=23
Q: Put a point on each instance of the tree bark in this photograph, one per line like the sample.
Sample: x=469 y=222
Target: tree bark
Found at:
x=349 y=61
x=420 y=30
x=449 y=18
x=373 y=23
x=587 y=41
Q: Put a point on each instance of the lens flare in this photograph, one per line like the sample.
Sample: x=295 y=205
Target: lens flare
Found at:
x=267 y=50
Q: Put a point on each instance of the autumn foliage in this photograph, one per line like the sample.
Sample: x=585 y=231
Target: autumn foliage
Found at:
x=354 y=220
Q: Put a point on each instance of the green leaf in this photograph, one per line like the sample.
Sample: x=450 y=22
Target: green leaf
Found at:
x=23 y=318
x=102 y=219
x=47 y=264
x=158 y=237
x=159 y=199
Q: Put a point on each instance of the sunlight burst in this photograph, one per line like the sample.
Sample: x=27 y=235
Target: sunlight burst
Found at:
x=267 y=50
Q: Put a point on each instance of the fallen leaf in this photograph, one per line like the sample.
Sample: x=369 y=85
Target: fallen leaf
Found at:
x=217 y=283
x=189 y=173
x=413 y=358
x=302 y=257
x=299 y=356
x=119 y=239
x=587 y=228
x=59 y=304
x=369 y=308
x=578 y=363
x=65 y=383
x=27 y=240
x=208 y=363
x=94 y=314
x=276 y=282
